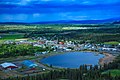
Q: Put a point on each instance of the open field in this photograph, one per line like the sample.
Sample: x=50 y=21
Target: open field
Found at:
x=11 y=36
x=96 y=33
x=114 y=72
x=112 y=42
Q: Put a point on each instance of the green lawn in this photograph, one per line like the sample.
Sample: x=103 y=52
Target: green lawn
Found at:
x=112 y=43
x=11 y=36
x=7 y=36
x=115 y=72
x=1 y=41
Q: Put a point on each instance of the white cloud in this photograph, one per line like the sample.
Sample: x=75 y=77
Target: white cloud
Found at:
x=88 y=2
x=24 y=2
x=28 y=2
x=91 y=2
x=36 y=14
x=46 y=0
x=12 y=18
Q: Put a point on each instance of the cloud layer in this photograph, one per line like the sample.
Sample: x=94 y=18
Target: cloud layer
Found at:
x=53 y=10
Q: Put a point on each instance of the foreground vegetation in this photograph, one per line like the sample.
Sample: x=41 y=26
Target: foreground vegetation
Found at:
x=113 y=73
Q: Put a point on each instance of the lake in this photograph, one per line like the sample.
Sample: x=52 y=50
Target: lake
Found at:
x=72 y=59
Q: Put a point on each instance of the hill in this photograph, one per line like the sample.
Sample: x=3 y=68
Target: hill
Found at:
x=111 y=20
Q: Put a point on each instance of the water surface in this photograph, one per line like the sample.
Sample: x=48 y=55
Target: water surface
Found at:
x=73 y=59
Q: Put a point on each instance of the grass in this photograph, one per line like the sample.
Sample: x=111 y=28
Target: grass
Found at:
x=20 y=58
x=115 y=72
x=1 y=41
x=11 y=36
x=112 y=43
x=7 y=36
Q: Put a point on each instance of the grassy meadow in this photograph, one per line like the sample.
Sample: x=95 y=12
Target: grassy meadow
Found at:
x=95 y=33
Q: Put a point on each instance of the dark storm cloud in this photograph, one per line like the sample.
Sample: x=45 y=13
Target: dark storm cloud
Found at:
x=59 y=9
x=53 y=8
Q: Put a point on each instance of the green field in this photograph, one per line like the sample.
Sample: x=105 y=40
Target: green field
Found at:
x=112 y=43
x=107 y=33
x=11 y=36
x=115 y=72
x=7 y=36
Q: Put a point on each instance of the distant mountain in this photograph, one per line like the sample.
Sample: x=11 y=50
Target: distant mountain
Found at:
x=12 y=23
x=111 y=20
x=116 y=22
x=81 y=21
x=71 y=22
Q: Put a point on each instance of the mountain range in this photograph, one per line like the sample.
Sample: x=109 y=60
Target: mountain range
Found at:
x=111 y=20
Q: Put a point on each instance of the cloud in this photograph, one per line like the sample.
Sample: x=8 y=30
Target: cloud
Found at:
x=47 y=10
x=46 y=0
x=31 y=17
x=10 y=17
x=36 y=14
x=56 y=8
x=41 y=17
x=27 y=2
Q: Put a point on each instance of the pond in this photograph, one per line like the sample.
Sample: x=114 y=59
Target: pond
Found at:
x=72 y=59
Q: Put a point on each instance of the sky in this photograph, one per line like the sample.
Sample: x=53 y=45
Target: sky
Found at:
x=55 y=10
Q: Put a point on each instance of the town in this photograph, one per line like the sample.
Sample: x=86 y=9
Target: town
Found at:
x=21 y=53
x=22 y=67
x=59 y=39
x=61 y=46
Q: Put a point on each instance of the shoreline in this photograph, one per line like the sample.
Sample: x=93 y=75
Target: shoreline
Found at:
x=107 y=59
x=104 y=60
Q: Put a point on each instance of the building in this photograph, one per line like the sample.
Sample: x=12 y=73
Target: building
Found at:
x=29 y=64
x=61 y=43
x=9 y=66
x=109 y=49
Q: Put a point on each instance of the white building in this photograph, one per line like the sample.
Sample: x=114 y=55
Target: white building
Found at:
x=9 y=66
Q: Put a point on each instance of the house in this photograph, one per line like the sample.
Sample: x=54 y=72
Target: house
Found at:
x=29 y=64
x=37 y=45
x=9 y=66
x=45 y=52
x=39 y=53
x=8 y=42
x=68 y=49
x=61 y=43
x=109 y=49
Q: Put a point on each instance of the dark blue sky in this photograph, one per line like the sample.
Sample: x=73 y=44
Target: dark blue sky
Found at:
x=54 y=10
